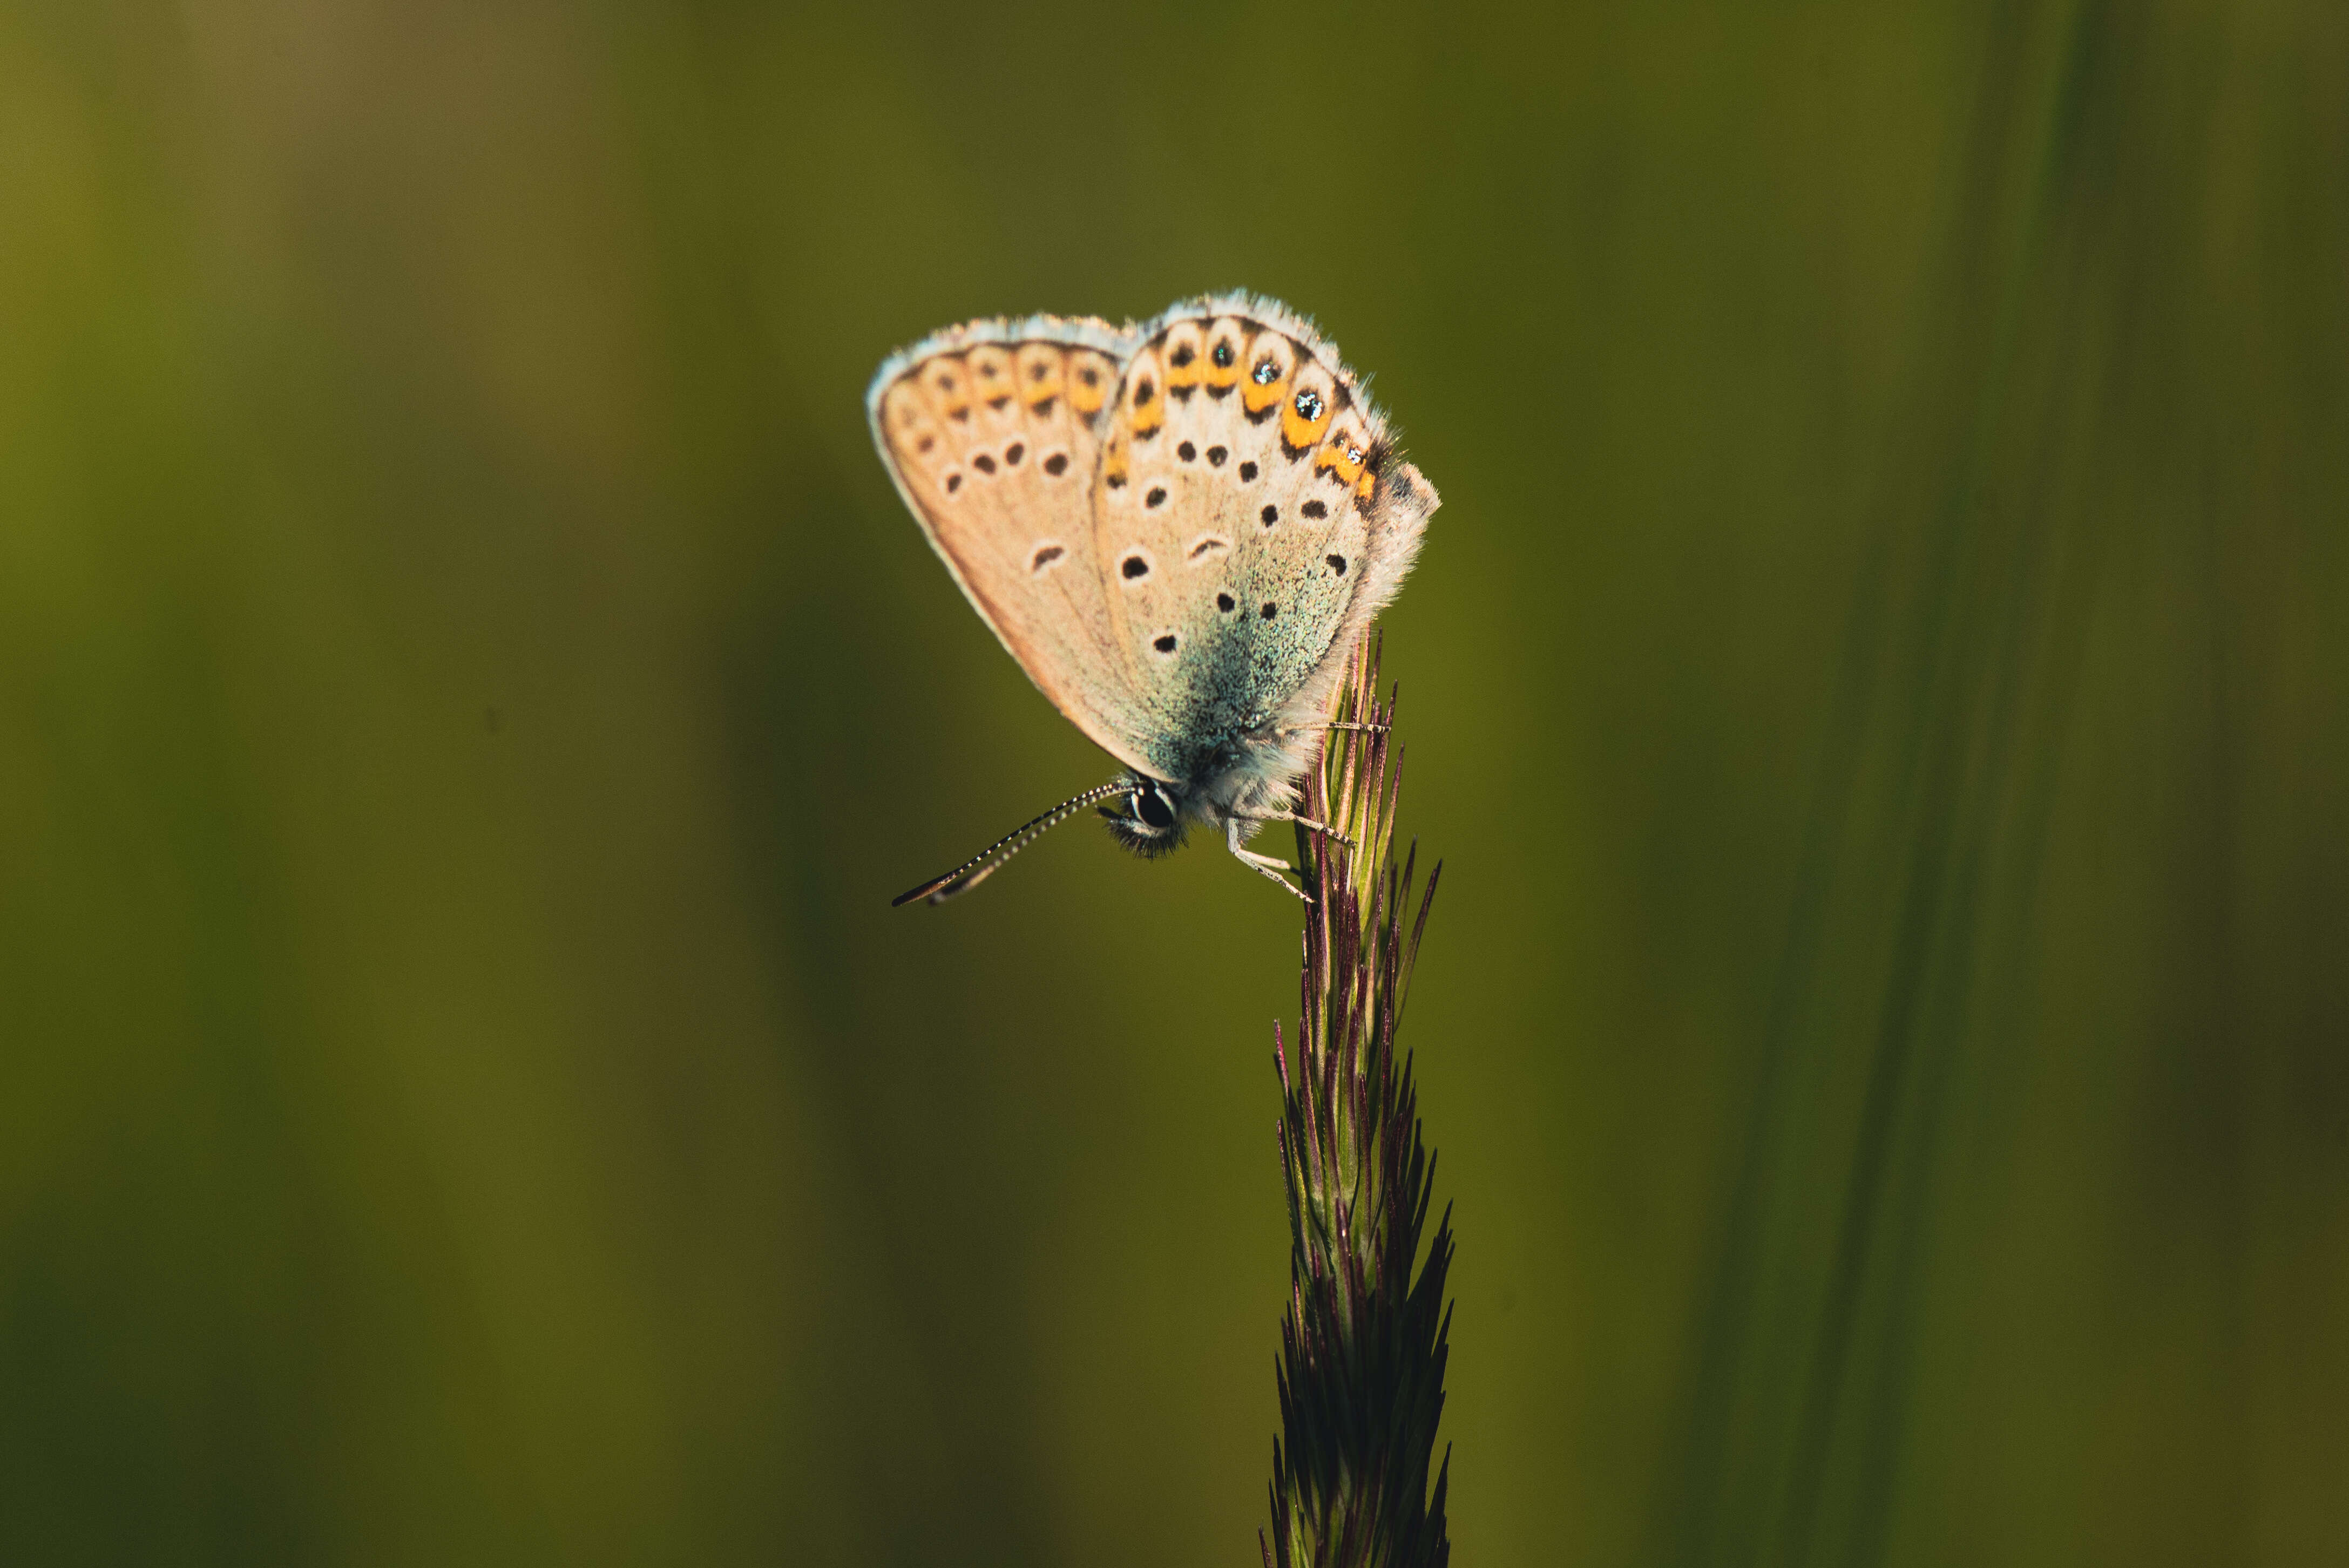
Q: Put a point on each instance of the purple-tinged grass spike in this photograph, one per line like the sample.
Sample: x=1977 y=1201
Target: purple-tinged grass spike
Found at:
x=1364 y=1343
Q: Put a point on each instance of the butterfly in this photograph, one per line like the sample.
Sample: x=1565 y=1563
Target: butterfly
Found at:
x=1179 y=530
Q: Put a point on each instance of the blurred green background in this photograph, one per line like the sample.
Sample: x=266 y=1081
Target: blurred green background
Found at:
x=1878 y=684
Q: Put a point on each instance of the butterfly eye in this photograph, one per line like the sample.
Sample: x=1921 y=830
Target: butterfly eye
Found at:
x=1152 y=807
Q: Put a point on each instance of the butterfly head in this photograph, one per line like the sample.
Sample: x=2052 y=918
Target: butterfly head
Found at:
x=1145 y=816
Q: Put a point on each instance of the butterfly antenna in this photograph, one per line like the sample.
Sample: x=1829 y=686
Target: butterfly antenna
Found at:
x=985 y=863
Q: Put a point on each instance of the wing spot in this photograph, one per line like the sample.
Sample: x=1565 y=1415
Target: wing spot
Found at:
x=1215 y=455
x=1270 y=514
x=1133 y=566
x=1223 y=354
x=1309 y=404
x=1315 y=509
x=983 y=463
x=1117 y=481
x=1013 y=453
x=925 y=443
x=1267 y=371
x=1248 y=472
x=1165 y=645
x=1337 y=564
x=1226 y=603
x=1089 y=376
x=1042 y=408
x=1000 y=403
x=1187 y=453
x=1142 y=393
x=1181 y=356
x=1206 y=544
x=1269 y=610
x=1057 y=464
x=954 y=483
x=1038 y=371
x=1158 y=496
x=1045 y=557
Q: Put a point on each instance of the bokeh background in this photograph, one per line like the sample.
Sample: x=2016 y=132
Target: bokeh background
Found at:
x=1879 y=684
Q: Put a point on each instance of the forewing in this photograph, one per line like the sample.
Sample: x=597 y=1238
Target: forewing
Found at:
x=992 y=432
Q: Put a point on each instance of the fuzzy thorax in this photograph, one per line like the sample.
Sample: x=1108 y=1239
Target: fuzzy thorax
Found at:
x=1152 y=817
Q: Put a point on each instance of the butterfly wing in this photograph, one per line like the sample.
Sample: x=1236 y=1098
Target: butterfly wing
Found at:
x=1251 y=516
x=991 y=431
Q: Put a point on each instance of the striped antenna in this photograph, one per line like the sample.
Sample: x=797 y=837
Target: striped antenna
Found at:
x=985 y=863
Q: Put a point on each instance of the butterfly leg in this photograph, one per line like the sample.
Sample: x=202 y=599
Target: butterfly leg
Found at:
x=1339 y=724
x=1308 y=824
x=1263 y=865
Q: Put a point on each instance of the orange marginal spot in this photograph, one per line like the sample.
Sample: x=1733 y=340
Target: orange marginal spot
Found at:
x=1228 y=333
x=1146 y=406
x=990 y=372
x=949 y=386
x=1113 y=463
x=1187 y=357
x=1088 y=382
x=1297 y=432
x=1039 y=369
x=1342 y=456
x=1366 y=489
x=1255 y=396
